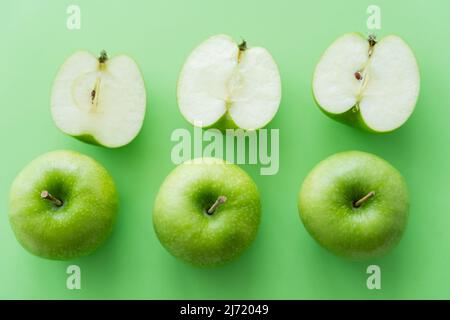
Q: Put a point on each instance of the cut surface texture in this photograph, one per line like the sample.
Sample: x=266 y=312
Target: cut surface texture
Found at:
x=221 y=79
x=380 y=79
x=103 y=102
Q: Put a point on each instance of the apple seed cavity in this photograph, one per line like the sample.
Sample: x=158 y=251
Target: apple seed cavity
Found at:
x=372 y=41
x=95 y=93
x=47 y=196
x=220 y=200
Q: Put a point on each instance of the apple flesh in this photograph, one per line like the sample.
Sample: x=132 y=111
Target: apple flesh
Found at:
x=225 y=85
x=207 y=212
x=62 y=205
x=367 y=84
x=99 y=100
x=355 y=204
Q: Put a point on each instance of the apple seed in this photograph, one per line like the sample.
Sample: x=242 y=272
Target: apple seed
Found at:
x=358 y=75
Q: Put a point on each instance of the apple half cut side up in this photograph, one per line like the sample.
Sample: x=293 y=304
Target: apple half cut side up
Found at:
x=99 y=100
x=368 y=84
x=226 y=85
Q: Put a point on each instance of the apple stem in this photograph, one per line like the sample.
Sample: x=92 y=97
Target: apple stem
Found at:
x=103 y=57
x=358 y=203
x=220 y=200
x=372 y=42
x=242 y=47
x=47 y=196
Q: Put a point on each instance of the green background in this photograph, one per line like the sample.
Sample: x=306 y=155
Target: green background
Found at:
x=284 y=262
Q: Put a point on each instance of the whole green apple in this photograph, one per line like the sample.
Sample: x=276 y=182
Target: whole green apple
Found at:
x=62 y=205
x=355 y=204
x=207 y=212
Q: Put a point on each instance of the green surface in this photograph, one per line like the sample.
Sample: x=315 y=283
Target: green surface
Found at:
x=283 y=262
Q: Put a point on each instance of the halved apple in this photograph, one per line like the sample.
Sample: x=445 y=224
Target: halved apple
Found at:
x=226 y=85
x=369 y=84
x=99 y=100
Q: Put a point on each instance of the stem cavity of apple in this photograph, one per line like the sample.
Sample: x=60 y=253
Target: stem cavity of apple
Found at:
x=103 y=57
x=242 y=47
x=372 y=42
x=47 y=196
x=357 y=204
x=220 y=200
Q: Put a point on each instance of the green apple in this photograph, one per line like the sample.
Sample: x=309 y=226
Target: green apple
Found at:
x=355 y=204
x=99 y=100
x=207 y=212
x=226 y=86
x=367 y=84
x=62 y=205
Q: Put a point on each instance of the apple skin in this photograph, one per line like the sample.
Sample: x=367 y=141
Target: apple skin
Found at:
x=81 y=224
x=224 y=123
x=89 y=139
x=187 y=231
x=351 y=118
x=326 y=198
